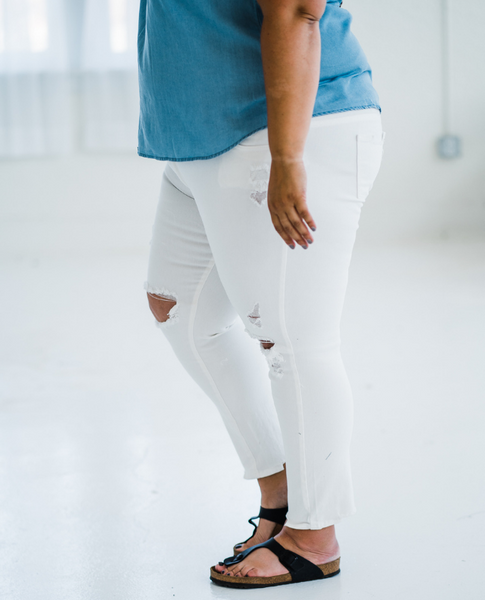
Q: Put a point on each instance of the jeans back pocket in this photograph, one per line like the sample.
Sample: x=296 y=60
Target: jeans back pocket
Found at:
x=369 y=158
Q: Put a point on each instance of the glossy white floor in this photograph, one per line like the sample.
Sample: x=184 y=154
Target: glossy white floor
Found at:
x=118 y=482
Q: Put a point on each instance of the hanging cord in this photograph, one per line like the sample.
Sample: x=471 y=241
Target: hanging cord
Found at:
x=449 y=144
x=445 y=66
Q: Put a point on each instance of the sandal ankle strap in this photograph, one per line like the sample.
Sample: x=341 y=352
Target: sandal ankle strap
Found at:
x=275 y=515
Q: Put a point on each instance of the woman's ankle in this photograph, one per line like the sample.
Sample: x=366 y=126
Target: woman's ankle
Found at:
x=277 y=498
x=274 y=492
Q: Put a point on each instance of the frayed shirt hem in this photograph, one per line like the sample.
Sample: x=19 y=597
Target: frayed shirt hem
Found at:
x=185 y=159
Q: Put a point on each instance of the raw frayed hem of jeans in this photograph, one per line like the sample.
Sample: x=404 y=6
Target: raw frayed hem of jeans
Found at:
x=320 y=524
x=255 y=474
x=164 y=294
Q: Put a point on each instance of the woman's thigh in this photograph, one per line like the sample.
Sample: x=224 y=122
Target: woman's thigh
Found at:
x=272 y=287
x=181 y=265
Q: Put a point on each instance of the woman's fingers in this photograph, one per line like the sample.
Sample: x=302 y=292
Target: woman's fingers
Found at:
x=306 y=216
x=292 y=228
x=290 y=225
x=287 y=204
x=295 y=218
x=281 y=231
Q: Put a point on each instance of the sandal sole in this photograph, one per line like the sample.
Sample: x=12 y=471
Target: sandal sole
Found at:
x=329 y=570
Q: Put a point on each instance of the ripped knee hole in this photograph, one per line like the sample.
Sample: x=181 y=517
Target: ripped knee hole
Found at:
x=161 y=306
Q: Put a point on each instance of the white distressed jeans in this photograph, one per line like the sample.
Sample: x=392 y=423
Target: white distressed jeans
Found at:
x=215 y=252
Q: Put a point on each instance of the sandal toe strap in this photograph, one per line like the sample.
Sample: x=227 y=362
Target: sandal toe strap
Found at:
x=299 y=568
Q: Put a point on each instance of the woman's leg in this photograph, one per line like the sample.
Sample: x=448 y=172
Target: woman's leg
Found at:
x=292 y=300
x=193 y=311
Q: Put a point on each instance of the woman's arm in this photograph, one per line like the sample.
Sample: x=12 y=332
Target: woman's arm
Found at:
x=290 y=46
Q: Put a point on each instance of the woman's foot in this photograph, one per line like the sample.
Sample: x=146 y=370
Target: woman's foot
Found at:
x=273 y=495
x=318 y=546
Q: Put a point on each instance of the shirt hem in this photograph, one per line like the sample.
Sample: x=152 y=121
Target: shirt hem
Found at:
x=317 y=114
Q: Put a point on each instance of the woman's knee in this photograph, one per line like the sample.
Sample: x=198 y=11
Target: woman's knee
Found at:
x=161 y=306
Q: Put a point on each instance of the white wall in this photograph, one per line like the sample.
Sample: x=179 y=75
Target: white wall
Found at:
x=83 y=202
x=108 y=201
x=418 y=193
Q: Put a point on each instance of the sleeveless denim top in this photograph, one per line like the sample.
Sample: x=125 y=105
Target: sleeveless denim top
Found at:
x=201 y=76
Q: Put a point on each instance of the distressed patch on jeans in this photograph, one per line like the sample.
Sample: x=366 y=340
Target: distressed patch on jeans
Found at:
x=274 y=358
x=259 y=175
x=254 y=316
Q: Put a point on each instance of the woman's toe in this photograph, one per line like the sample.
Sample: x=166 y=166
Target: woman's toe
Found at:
x=245 y=572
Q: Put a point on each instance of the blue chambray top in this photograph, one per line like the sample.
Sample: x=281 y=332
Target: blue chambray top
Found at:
x=201 y=76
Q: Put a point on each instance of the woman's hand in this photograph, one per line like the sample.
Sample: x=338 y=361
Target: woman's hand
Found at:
x=287 y=202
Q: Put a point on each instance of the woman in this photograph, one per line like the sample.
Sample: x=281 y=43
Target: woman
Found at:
x=267 y=115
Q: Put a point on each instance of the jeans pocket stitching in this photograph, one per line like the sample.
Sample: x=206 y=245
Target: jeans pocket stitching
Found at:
x=371 y=139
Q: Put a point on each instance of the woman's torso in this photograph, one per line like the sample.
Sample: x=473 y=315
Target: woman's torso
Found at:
x=201 y=77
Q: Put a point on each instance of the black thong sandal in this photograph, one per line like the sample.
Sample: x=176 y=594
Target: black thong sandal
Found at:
x=300 y=569
x=275 y=515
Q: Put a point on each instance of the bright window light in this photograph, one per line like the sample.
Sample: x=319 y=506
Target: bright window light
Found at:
x=118 y=25
x=2 y=29
x=37 y=25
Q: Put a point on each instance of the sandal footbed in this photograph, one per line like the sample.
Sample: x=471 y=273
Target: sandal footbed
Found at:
x=329 y=570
